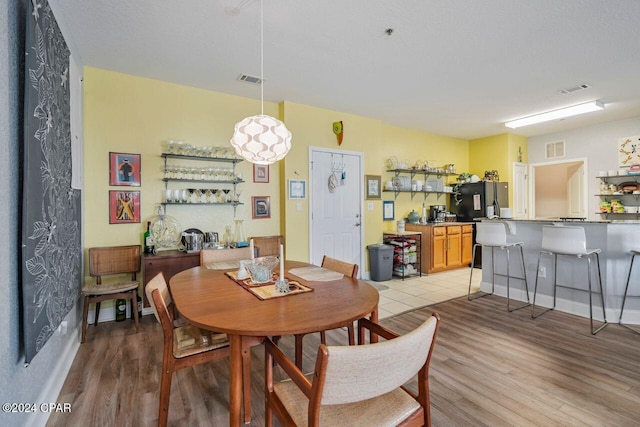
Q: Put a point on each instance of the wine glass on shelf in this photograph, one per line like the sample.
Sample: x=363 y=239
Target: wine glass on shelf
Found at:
x=236 y=195
x=171 y=146
x=227 y=198
x=191 y=192
x=198 y=193
x=207 y=195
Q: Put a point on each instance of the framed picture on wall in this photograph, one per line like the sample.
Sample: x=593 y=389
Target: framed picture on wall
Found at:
x=297 y=189
x=261 y=207
x=372 y=186
x=124 y=207
x=388 y=210
x=124 y=169
x=260 y=173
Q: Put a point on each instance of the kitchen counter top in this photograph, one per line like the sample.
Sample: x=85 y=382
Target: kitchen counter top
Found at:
x=558 y=220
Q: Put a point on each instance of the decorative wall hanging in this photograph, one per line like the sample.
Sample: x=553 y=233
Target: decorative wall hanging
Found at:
x=261 y=207
x=372 y=186
x=388 y=213
x=124 y=207
x=297 y=189
x=51 y=251
x=260 y=173
x=124 y=169
x=629 y=151
x=338 y=129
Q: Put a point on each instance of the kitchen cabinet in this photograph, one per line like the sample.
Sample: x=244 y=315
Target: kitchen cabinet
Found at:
x=445 y=246
x=627 y=199
x=407 y=249
x=226 y=194
x=168 y=263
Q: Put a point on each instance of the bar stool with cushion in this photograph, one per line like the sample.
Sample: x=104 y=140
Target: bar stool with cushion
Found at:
x=572 y=242
x=634 y=252
x=494 y=235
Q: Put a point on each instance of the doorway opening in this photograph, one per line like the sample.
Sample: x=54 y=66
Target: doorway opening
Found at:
x=559 y=189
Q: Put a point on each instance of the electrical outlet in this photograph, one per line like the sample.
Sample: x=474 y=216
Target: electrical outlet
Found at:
x=542 y=272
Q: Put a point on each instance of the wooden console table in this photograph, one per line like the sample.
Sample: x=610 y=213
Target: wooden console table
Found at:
x=168 y=263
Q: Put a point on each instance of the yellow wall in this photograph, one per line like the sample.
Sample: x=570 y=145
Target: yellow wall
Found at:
x=124 y=113
x=497 y=152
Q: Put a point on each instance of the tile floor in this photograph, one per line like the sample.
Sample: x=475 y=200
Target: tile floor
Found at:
x=416 y=291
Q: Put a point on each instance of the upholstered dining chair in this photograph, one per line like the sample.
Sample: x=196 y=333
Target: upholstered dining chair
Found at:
x=208 y=256
x=355 y=385
x=121 y=264
x=267 y=245
x=186 y=345
x=349 y=270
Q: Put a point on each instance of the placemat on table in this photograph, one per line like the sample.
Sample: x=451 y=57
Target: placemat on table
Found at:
x=314 y=273
x=223 y=265
x=267 y=290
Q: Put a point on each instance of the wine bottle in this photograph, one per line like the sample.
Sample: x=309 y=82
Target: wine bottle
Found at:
x=148 y=240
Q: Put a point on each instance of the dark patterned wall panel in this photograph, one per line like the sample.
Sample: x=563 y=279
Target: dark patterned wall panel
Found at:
x=51 y=270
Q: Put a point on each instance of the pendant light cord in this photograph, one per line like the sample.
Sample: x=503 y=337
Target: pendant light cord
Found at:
x=261 y=58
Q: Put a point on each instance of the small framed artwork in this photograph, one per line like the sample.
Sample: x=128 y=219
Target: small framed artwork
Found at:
x=124 y=169
x=372 y=186
x=260 y=173
x=261 y=207
x=124 y=207
x=629 y=151
x=388 y=213
x=297 y=189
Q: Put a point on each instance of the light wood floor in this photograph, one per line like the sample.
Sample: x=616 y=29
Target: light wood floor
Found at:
x=490 y=368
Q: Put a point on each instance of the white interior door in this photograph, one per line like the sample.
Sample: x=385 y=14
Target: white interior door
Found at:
x=520 y=187
x=575 y=192
x=335 y=194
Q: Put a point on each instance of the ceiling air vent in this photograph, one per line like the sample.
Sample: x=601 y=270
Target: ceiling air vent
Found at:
x=578 y=88
x=250 y=79
x=554 y=149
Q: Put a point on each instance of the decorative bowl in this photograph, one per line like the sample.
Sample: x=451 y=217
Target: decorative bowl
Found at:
x=260 y=269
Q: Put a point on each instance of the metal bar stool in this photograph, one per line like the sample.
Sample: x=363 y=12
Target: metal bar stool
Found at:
x=569 y=241
x=494 y=235
x=626 y=288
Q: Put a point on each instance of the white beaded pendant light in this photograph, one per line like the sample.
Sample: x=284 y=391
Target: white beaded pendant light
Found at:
x=261 y=139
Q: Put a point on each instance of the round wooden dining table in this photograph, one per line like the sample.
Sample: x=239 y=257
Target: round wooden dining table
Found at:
x=211 y=300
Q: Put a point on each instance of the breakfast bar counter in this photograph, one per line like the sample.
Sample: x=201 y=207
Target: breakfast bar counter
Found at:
x=615 y=239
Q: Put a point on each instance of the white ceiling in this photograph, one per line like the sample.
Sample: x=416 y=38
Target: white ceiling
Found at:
x=459 y=68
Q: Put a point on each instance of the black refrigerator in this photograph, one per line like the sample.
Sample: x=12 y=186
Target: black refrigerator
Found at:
x=471 y=202
x=472 y=199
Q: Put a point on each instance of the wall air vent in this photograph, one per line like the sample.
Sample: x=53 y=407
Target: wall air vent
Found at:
x=578 y=88
x=554 y=149
x=249 y=79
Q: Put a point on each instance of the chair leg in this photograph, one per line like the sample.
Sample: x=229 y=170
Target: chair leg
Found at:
x=524 y=275
x=85 y=314
x=473 y=262
x=624 y=298
x=165 y=394
x=134 y=305
x=246 y=384
x=95 y=319
x=323 y=338
x=535 y=292
x=604 y=314
x=298 y=350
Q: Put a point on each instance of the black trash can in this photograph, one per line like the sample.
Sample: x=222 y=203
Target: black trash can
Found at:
x=380 y=262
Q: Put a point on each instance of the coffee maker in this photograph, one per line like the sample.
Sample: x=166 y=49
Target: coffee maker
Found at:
x=437 y=213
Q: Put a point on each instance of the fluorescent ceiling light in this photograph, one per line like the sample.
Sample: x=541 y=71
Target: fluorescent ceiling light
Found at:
x=556 y=114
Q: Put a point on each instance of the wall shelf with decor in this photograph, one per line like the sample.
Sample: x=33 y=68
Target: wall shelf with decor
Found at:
x=227 y=194
x=403 y=178
x=619 y=196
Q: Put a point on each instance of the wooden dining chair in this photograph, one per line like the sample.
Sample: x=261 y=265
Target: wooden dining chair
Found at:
x=349 y=270
x=267 y=245
x=188 y=345
x=208 y=256
x=121 y=264
x=355 y=385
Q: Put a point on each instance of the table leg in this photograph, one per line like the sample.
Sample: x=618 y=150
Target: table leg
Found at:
x=235 y=380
